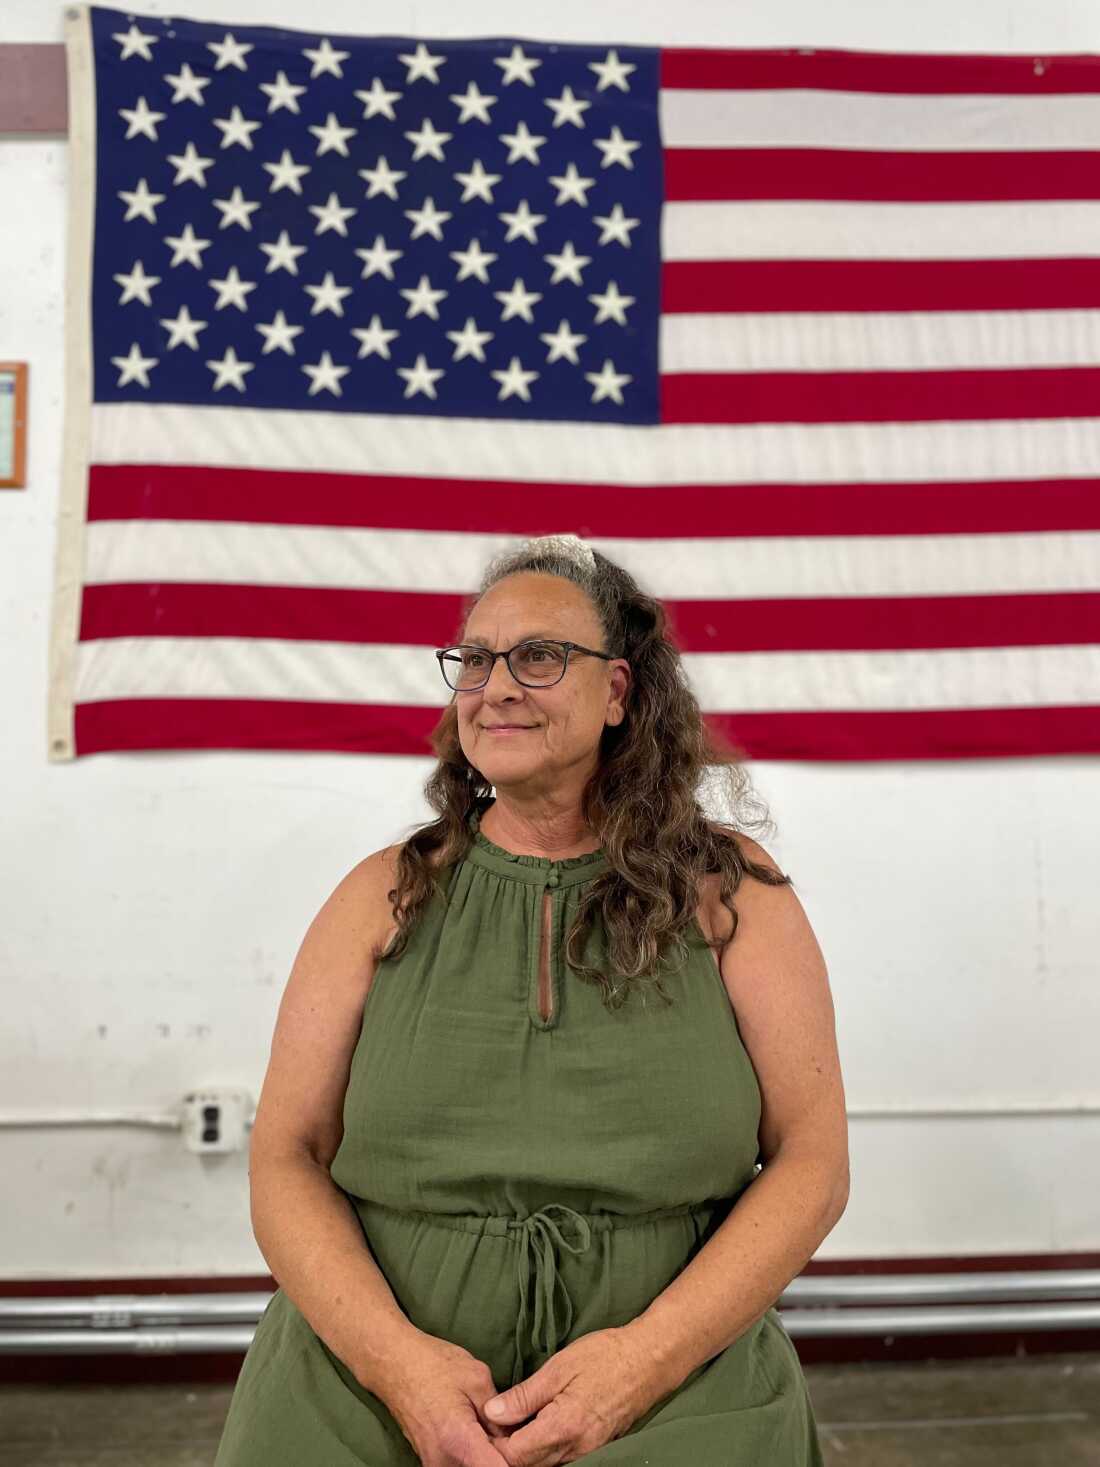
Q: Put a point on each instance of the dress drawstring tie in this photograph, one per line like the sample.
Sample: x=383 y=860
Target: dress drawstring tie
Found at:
x=536 y=1248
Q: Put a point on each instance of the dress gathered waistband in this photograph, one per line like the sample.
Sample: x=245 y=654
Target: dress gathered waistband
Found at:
x=540 y=1236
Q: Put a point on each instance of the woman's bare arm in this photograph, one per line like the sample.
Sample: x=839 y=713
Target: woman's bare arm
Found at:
x=304 y=1224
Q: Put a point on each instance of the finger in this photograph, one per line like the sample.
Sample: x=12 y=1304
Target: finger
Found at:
x=534 y=1446
x=482 y=1453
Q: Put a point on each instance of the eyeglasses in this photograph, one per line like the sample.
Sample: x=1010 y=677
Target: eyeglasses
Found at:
x=534 y=664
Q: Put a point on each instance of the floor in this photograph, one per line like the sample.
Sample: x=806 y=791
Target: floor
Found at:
x=1036 y=1412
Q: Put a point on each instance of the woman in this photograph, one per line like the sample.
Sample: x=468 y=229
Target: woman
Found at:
x=529 y=1164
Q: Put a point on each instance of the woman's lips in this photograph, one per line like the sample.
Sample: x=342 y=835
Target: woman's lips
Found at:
x=525 y=729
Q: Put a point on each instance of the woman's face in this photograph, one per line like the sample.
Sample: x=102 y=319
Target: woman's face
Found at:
x=564 y=721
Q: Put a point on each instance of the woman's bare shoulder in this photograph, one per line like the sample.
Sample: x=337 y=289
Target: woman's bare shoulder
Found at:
x=714 y=914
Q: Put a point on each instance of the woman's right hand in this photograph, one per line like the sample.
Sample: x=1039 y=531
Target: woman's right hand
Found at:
x=435 y=1391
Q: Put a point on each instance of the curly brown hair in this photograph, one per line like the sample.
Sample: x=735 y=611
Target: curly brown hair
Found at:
x=642 y=800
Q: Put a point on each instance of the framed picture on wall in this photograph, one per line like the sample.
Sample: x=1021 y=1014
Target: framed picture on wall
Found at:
x=13 y=425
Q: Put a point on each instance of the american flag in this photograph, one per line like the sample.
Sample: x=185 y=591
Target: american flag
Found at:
x=809 y=341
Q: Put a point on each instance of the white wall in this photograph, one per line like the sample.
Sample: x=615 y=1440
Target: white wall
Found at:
x=151 y=904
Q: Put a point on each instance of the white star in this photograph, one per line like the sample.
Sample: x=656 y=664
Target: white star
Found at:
x=472 y=103
x=377 y=101
x=567 y=108
x=140 y=201
x=477 y=184
x=141 y=119
x=236 y=209
x=615 y=226
x=282 y=255
x=423 y=300
x=568 y=265
x=612 y=72
x=562 y=343
x=186 y=246
x=331 y=215
x=374 y=338
x=514 y=381
x=474 y=261
x=420 y=377
x=427 y=219
x=522 y=221
x=427 y=140
x=517 y=301
x=611 y=306
x=183 y=328
x=286 y=173
x=324 y=375
x=134 y=43
x=608 y=383
x=186 y=86
x=228 y=370
x=236 y=129
x=282 y=93
x=422 y=63
x=325 y=58
x=469 y=341
x=382 y=179
x=571 y=187
x=332 y=137
x=230 y=52
x=378 y=260
x=232 y=290
x=616 y=149
x=278 y=334
x=517 y=67
x=328 y=296
x=137 y=285
x=133 y=367
x=190 y=168
x=522 y=144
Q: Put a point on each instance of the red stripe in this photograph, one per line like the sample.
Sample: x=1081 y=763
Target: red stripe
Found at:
x=504 y=507
x=253 y=723
x=653 y=511
x=877 y=397
x=879 y=285
x=380 y=728
x=308 y=613
x=915 y=72
x=842 y=173
x=860 y=623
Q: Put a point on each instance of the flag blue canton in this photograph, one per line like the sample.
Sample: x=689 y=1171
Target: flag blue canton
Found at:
x=460 y=228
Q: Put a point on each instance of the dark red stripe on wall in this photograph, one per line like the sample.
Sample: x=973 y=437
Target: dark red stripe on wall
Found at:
x=378 y=728
x=847 y=174
x=858 y=623
x=880 y=397
x=917 y=72
x=506 y=507
x=880 y=285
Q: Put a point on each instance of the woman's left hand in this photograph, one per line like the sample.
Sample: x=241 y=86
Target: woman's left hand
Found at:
x=587 y=1394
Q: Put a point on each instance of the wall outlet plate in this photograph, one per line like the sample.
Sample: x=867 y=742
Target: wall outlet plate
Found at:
x=216 y=1120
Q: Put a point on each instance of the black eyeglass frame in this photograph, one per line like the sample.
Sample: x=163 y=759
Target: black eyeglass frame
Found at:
x=530 y=641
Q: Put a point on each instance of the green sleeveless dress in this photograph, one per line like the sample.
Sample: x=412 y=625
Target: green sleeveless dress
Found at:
x=523 y=1181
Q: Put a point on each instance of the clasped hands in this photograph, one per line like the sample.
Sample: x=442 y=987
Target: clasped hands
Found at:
x=588 y=1393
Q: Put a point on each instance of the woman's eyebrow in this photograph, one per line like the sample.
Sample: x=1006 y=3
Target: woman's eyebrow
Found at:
x=527 y=637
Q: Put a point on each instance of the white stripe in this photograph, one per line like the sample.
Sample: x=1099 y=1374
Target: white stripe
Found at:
x=823 y=230
x=763 y=566
x=812 y=118
x=229 y=667
x=853 y=341
x=581 y=453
